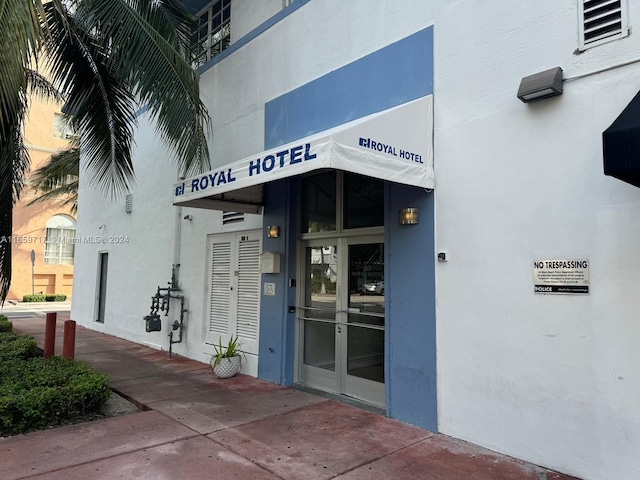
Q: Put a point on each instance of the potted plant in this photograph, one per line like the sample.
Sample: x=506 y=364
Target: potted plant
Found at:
x=227 y=360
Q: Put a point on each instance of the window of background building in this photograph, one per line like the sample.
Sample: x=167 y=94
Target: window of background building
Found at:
x=60 y=240
x=62 y=127
x=214 y=29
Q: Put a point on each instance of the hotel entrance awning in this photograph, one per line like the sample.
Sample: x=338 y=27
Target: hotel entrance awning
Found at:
x=394 y=145
x=621 y=145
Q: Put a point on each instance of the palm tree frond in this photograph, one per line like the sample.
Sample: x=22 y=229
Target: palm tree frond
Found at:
x=60 y=167
x=19 y=42
x=14 y=163
x=172 y=21
x=159 y=77
x=66 y=195
x=99 y=99
x=105 y=57
x=39 y=85
x=58 y=179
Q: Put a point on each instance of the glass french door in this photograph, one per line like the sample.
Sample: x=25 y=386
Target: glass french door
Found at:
x=341 y=317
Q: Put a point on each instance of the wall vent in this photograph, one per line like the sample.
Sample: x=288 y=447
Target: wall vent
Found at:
x=232 y=217
x=602 y=21
x=128 y=202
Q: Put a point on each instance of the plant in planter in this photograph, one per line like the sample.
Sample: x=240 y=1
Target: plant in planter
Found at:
x=227 y=361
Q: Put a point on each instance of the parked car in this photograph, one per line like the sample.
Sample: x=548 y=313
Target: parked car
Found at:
x=374 y=287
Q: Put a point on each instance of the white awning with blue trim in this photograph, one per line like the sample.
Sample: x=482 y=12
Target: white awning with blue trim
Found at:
x=394 y=145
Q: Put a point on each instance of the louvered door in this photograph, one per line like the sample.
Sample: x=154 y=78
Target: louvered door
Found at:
x=234 y=289
x=248 y=291
x=220 y=286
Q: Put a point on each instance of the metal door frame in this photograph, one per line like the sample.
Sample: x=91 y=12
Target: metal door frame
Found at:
x=338 y=381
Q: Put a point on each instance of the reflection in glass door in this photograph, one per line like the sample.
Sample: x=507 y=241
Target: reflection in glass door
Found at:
x=364 y=342
x=317 y=316
x=341 y=318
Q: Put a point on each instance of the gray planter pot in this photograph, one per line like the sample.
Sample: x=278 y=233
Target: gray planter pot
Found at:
x=228 y=367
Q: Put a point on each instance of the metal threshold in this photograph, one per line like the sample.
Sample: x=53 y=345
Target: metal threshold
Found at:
x=354 y=402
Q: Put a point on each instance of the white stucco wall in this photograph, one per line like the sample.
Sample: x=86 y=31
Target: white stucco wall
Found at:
x=248 y=14
x=132 y=276
x=138 y=267
x=552 y=379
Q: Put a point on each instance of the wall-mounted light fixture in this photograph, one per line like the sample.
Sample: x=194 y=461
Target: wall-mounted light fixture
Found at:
x=409 y=216
x=541 y=85
x=273 y=231
x=188 y=217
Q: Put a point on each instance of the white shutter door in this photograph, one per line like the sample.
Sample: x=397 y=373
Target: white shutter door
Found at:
x=248 y=291
x=219 y=289
x=234 y=289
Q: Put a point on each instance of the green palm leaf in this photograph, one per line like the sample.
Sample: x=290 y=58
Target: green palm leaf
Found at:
x=19 y=41
x=14 y=163
x=57 y=180
x=100 y=101
x=160 y=78
x=20 y=36
x=106 y=58
x=39 y=85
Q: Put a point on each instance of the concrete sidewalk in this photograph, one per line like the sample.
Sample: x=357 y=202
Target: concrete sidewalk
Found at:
x=199 y=427
x=13 y=309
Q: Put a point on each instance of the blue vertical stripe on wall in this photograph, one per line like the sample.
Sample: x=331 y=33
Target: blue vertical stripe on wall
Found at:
x=277 y=324
x=394 y=75
x=391 y=76
x=410 y=309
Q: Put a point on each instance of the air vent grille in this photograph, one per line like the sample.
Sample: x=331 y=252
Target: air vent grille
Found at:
x=232 y=217
x=602 y=20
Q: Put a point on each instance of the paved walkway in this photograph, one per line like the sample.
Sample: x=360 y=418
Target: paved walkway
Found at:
x=33 y=309
x=200 y=427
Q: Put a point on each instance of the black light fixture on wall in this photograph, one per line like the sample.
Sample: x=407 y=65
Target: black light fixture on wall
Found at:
x=541 y=85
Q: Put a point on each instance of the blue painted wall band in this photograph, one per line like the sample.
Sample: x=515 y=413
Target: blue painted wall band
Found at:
x=391 y=76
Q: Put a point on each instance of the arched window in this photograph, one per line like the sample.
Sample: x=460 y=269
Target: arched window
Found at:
x=60 y=242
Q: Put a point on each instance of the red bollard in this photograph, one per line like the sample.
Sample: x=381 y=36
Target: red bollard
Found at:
x=50 y=334
x=69 y=342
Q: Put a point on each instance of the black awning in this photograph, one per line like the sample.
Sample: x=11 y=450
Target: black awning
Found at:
x=621 y=145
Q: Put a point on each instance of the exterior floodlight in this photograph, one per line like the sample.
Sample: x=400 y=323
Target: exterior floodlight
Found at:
x=541 y=85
